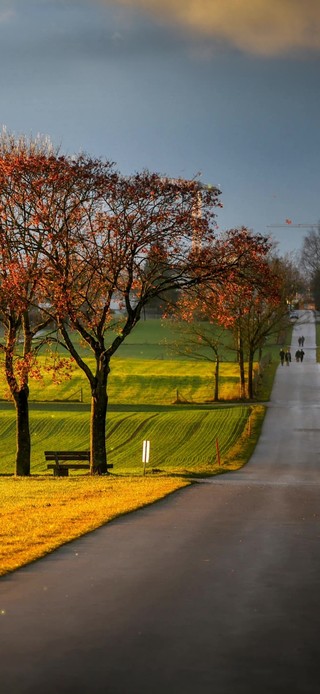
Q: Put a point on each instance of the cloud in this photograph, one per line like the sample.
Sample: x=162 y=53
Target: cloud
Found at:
x=262 y=27
x=6 y=16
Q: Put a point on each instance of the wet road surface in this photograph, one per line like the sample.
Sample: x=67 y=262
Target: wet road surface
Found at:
x=212 y=590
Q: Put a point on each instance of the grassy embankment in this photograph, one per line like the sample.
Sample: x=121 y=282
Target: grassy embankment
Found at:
x=41 y=513
x=318 y=339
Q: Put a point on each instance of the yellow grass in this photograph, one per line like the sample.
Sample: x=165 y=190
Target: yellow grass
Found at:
x=38 y=515
x=241 y=452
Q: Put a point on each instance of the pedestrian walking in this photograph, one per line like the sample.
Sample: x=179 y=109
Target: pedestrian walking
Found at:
x=282 y=356
x=302 y=340
x=301 y=354
x=287 y=357
x=299 y=341
x=298 y=355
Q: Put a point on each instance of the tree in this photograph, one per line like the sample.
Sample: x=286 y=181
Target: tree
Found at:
x=158 y=304
x=96 y=256
x=261 y=317
x=315 y=288
x=199 y=342
x=310 y=263
x=19 y=283
x=40 y=192
x=247 y=281
x=19 y=280
x=310 y=253
x=83 y=232
x=267 y=315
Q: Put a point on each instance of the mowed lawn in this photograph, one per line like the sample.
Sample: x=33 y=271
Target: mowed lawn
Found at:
x=150 y=381
x=142 y=393
x=145 y=370
x=182 y=439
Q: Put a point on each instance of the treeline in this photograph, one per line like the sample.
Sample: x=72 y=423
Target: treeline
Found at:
x=78 y=239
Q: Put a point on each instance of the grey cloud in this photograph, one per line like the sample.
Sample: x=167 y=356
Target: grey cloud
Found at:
x=264 y=27
x=69 y=30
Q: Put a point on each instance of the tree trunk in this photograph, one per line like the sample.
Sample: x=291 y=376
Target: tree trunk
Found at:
x=216 y=380
x=241 y=367
x=242 y=376
x=99 y=404
x=250 y=375
x=23 y=452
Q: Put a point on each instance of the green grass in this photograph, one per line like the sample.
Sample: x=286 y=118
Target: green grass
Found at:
x=140 y=381
x=182 y=440
x=155 y=339
x=150 y=339
x=141 y=397
x=144 y=371
x=266 y=384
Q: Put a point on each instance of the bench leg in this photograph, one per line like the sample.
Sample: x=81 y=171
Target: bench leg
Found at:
x=60 y=472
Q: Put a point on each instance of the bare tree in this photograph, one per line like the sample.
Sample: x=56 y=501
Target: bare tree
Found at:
x=310 y=254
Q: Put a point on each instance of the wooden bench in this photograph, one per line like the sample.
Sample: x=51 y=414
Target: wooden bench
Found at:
x=62 y=461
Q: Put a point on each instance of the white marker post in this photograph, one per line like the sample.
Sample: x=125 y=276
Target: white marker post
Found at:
x=145 y=454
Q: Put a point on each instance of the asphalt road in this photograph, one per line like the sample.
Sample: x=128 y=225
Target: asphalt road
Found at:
x=212 y=590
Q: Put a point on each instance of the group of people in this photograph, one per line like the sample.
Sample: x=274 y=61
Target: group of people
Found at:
x=299 y=355
x=285 y=355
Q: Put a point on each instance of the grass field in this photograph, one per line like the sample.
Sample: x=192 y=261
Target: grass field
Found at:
x=182 y=439
x=40 y=513
x=145 y=371
x=141 y=397
x=142 y=382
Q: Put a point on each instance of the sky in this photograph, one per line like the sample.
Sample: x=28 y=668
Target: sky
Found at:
x=227 y=90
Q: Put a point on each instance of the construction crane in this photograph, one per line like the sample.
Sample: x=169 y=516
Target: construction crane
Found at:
x=289 y=225
x=197 y=207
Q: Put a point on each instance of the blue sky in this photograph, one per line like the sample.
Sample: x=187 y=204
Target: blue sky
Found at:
x=226 y=88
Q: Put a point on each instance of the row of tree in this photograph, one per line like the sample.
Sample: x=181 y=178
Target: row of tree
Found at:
x=77 y=239
x=251 y=312
x=310 y=263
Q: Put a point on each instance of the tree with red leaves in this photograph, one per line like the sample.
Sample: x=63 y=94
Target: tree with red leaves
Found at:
x=261 y=312
x=20 y=274
x=198 y=340
x=79 y=234
x=246 y=281
x=42 y=196
x=135 y=242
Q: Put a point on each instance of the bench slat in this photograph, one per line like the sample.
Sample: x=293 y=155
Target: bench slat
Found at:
x=61 y=466
x=75 y=466
x=87 y=452
x=67 y=455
